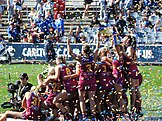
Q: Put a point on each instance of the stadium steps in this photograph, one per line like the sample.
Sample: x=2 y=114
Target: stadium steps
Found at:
x=74 y=11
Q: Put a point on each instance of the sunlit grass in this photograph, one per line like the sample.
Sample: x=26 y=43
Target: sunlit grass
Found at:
x=151 y=88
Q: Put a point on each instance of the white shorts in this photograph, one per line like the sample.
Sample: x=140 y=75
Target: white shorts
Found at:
x=17 y=7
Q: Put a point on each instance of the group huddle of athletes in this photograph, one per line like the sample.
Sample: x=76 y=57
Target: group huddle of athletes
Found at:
x=95 y=87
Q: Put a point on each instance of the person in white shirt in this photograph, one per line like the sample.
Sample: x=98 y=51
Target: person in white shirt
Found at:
x=59 y=22
x=1 y=3
x=46 y=8
x=103 y=8
x=18 y=7
x=10 y=9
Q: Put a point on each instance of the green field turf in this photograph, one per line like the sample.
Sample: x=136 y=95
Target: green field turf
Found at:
x=151 y=88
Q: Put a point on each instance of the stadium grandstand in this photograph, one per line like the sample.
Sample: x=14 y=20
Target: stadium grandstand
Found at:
x=37 y=21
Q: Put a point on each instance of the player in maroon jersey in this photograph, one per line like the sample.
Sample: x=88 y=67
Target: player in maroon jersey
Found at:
x=53 y=86
x=134 y=78
x=117 y=65
x=105 y=80
x=70 y=85
x=87 y=81
x=31 y=103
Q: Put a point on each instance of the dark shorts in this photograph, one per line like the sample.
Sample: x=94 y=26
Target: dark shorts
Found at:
x=120 y=81
x=87 y=85
x=73 y=95
x=49 y=100
x=106 y=84
x=88 y=1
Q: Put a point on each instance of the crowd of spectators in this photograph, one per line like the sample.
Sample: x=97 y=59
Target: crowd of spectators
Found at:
x=139 y=20
x=1 y=3
x=41 y=25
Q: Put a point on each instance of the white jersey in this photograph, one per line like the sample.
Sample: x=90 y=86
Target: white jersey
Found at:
x=11 y=2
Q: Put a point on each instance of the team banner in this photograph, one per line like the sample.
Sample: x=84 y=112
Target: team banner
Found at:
x=36 y=52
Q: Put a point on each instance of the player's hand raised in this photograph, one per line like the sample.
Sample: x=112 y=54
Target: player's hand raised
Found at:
x=68 y=40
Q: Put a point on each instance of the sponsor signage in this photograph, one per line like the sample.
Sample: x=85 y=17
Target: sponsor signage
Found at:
x=36 y=52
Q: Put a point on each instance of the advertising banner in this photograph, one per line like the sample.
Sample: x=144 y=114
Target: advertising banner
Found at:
x=36 y=52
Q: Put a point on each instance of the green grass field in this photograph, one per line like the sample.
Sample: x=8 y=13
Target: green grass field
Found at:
x=151 y=88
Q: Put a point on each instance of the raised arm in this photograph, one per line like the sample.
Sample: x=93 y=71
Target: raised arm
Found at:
x=96 y=50
x=73 y=55
x=22 y=2
x=53 y=77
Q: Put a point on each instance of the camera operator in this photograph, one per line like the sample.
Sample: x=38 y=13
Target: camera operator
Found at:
x=18 y=91
x=22 y=86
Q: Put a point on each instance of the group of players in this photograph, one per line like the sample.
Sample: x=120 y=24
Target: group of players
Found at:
x=94 y=88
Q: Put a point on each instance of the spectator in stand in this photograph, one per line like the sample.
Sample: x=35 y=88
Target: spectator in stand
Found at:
x=86 y=7
x=146 y=23
x=13 y=33
x=106 y=31
x=82 y=38
x=32 y=15
x=17 y=22
x=121 y=24
x=39 y=19
x=34 y=36
x=103 y=8
x=106 y=22
x=18 y=7
x=131 y=21
x=24 y=34
x=44 y=28
x=49 y=17
x=51 y=35
x=1 y=3
x=50 y=22
x=128 y=4
x=46 y=8
x=95 y=22
x=158 y=26
x=39 y=7
x=38 y=2
x=3 y=49
x=140 y=6
x=10 y=9
x=77 y=34
x=57 y=36
x=147 y=11
x=112 y=9
x=95 y=28
x=59 y=22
